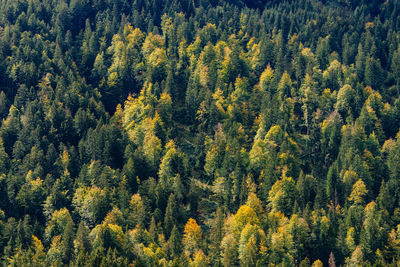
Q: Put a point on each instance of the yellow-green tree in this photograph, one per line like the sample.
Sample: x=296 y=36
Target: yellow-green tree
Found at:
x=282 y=195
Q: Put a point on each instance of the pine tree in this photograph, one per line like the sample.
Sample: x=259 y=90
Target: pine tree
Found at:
x=171 y=212
x=396 y=69
x=67 y=243
x=175 y=243
x=82 y=243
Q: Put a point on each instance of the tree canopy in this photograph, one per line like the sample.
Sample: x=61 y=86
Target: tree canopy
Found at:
x=199 y=133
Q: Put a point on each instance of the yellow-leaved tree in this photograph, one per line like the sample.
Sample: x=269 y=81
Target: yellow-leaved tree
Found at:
x=192 y=238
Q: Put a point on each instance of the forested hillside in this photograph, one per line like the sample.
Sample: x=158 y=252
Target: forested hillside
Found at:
x=199 y=133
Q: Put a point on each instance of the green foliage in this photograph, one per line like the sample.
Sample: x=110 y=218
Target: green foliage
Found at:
x=91 y=204
x=199 y=133
x=283 y=195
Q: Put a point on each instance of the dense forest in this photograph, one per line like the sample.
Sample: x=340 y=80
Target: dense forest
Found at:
x=199 y=133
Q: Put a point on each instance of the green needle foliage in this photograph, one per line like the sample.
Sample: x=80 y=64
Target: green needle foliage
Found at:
x=199 y=133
